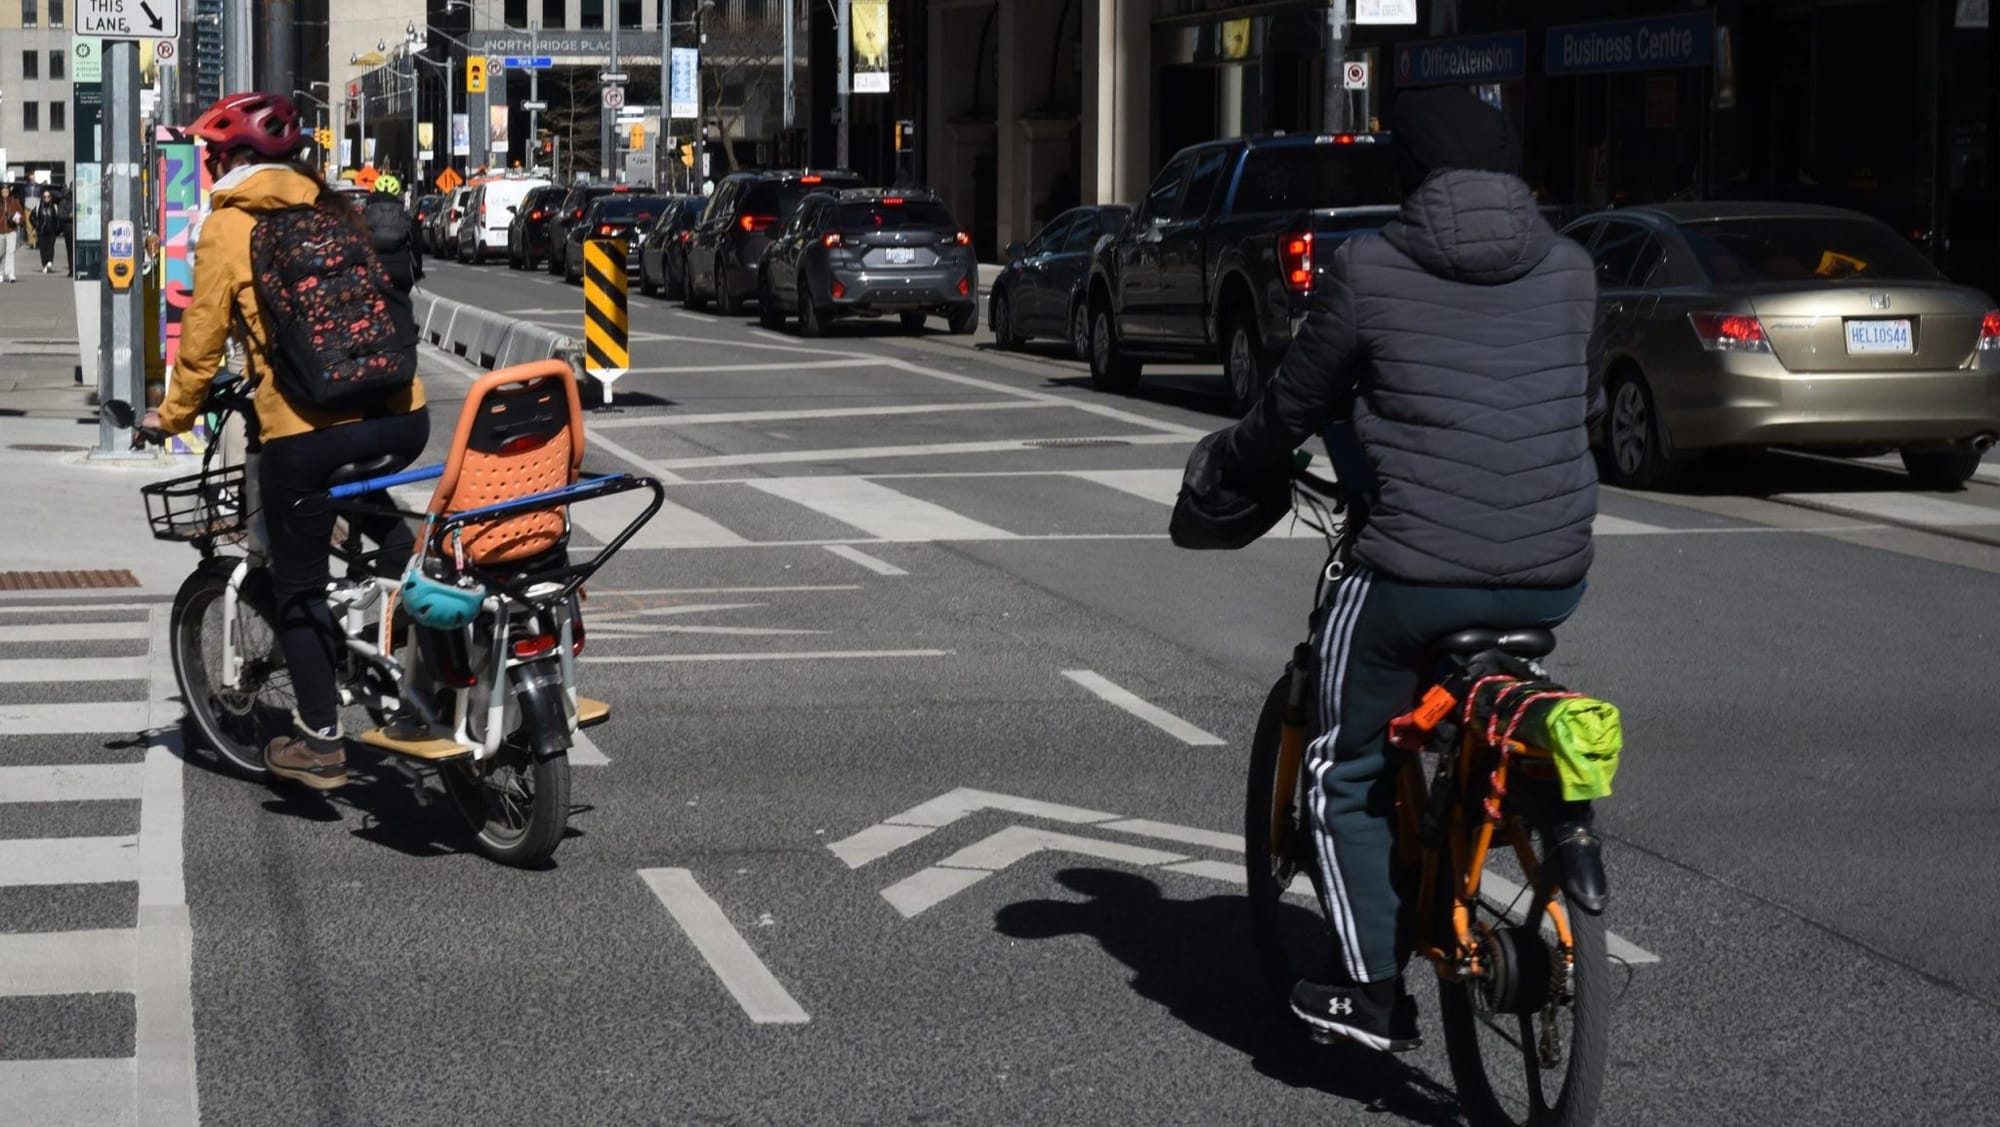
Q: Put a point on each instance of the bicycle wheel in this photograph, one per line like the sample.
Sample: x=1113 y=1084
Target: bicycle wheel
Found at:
x=233 y=723
x=1527 y=1041
x=1285 y=922
x=516 y=801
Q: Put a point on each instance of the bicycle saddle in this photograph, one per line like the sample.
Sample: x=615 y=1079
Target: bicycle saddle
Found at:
x=1525 y=642
x=362 y=471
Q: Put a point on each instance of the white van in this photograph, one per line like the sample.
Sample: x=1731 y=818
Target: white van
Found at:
x=488 y=212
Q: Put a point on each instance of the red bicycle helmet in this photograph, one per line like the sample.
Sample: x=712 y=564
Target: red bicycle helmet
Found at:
x=268 y=123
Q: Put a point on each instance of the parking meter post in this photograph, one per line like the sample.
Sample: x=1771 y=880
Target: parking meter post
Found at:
x=122 y=335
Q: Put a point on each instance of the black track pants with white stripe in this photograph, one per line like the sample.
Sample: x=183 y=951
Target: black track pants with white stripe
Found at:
x=1372 y=634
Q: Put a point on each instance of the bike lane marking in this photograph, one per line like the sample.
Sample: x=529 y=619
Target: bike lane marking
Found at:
x=164 y=1053
x=855 y=555
x=763 y=998
x=1114 y=694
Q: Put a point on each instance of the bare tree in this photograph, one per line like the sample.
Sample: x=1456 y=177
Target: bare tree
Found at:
x=742 y=65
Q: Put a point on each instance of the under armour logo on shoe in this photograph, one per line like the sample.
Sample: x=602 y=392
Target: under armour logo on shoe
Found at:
x=1340 y=1006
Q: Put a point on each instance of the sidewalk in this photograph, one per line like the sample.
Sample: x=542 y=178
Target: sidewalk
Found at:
x=70 y=513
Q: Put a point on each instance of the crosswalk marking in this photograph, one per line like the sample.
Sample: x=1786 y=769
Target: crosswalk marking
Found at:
x=68 y=962
x=672 y=527
x=96 y=1091
x=71 y=782
x=1163 y=486
x=879 y=510
x=68 y=860
x=1910 y=508
x=72 y=719
x=74 y=632
x=61 y=670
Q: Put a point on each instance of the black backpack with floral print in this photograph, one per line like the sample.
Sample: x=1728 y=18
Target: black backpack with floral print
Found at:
x=340 y=336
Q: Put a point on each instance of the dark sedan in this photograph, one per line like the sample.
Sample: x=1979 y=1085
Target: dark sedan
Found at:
x=528 y=231
x=663 y=253
x=870 y=251
x=420 y=217
x=1776 y=324
x=609 y=217
x=1040 y=294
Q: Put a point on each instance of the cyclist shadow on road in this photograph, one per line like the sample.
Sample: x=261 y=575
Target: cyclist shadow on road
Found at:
x=1195 y=957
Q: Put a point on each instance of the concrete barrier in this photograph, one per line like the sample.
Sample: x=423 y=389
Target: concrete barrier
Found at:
x=489 y=339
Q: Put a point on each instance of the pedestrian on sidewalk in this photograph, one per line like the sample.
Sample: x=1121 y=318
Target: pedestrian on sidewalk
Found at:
x=13 y=217
x=49 y=226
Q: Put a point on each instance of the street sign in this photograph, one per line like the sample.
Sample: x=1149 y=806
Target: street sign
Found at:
x=527 y=62
x=1355 y=76
x=86 y=63
x=163 y=51
x=612 y=76
x=1385 y=12
x=447 y=181
x=534 y=107
x=614 y=97
x=129 y=19
x=119 y=252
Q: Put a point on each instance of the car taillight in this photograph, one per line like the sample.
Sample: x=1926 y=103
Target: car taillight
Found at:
x=892 y=201
x=757 y=222
x=1989 y=331
x=534 y=215
x=453 y=216
x=577 y=214
x=962 y=239
x=812 y=179
x=839 y=291
x=832 y=240
x=606 y=229
x=1729 y=332
x=534 y=646
x=687 y=236
x=1295 y=261
x=964 y=286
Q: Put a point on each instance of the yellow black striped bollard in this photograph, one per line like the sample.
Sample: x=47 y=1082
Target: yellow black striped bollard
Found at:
x=607 y=347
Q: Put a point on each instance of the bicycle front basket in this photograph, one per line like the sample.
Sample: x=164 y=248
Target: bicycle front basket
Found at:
x=203 y=506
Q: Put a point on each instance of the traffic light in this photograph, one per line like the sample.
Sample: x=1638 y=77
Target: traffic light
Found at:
x=906 y=136
x=324 y=138
x=687 y=155
x=475 y=74
x=638 y=135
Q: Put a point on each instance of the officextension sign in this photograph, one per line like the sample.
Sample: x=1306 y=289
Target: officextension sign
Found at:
x=1471 y=59
x=1649 y=44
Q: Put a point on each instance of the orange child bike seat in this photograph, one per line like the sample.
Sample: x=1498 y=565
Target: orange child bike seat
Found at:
x=519 y=433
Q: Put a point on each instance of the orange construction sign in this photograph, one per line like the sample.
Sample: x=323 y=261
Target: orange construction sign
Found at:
x=449 y=180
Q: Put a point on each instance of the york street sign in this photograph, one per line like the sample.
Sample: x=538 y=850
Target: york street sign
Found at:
x=522 y=62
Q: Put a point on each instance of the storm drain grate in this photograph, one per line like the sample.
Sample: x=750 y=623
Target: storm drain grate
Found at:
x=1071 y=443
x=65 y=580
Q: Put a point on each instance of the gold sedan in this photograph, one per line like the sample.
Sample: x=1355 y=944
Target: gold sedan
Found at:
x=1773 y=324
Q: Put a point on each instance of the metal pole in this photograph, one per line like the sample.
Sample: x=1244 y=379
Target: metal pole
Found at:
x=120 y=362
x=663 y=171
x=450 y=149
x=791 y=97
x=238 y=54
x=604 y=128
x=1334 y=103
x=534 y=91
x=361 y=154
x=840 y=132
x=416 y=173
x=699 y=171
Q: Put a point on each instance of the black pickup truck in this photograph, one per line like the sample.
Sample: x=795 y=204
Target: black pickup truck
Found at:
x=1218 y=260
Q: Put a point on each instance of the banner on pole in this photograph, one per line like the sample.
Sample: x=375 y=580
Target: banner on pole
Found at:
x=461 y=135
x=496 y=128
x=426 y=133
x=687 y=64
x=869 y=28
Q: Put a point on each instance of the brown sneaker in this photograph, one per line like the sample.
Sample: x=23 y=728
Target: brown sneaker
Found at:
x=293 y=757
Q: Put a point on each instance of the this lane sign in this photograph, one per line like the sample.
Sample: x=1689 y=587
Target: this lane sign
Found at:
x=129 y=19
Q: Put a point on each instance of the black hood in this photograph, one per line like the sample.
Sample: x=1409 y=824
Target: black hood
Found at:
x=1477 y=227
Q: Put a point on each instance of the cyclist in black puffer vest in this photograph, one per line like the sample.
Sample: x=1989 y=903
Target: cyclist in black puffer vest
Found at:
x=1463 y=342
x=395 y=237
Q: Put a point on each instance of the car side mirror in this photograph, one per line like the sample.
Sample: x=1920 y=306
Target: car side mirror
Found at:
x=513 y=210
x=1017 y=250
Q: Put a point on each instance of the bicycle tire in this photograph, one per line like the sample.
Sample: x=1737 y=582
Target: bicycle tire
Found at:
x=532 y=836
x=234 y=725
x=1287 y=950
x=1584 y=1053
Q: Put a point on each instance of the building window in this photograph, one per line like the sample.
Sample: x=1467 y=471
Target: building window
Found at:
x=31 y=15
x=31 y=117
x=57 y=115
x=55 y=13
x=631 y=13
x=55 y=64
x=516 y=13
x=593 y=13
x=555 y=13
x=31 y=63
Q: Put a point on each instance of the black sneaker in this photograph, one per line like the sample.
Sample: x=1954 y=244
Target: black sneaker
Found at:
x=1379 y=1015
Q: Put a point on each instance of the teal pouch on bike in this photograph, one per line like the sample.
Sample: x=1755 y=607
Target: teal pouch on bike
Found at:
x=1585 y=737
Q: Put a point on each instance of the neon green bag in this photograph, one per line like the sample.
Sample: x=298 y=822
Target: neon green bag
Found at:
x=1585 y=736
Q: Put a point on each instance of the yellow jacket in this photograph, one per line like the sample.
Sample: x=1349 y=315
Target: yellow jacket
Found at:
x=223 y=284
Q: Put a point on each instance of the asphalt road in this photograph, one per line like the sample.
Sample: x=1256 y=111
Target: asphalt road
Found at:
x=871 y=672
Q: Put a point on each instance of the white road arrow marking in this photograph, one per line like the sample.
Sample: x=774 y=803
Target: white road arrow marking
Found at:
x=967 y=867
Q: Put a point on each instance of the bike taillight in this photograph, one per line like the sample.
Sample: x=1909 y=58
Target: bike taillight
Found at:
x=533 y=646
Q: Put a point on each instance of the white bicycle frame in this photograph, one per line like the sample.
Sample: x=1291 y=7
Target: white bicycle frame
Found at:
x=351 y=602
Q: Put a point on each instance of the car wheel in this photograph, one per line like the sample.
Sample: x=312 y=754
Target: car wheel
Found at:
x=768 y=313
x=1079 y=330
x=1634 y=455
x=556 y=261
x=912 y=322
x=964 y=319
x=479 y=253
x=1003 y=324
x=1110 y=369
x=1244 y=363
x=1943 y=470
x=726 y=304
x=646 y=285
x=674 y=290
x=810 y=322
x=573 y=277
